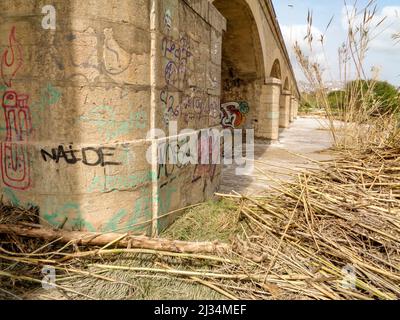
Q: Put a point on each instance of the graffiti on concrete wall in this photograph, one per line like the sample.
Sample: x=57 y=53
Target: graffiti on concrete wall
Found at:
x=139 y=216
x=49 y=96
x=177 y=54
x=105 y=119
x=181 y=97
x=87 y=61
x=201 y=150
x=116 y=59
x=188 y=107
x=168 y=20
x=172 y=157
x=233 y=114
x=90 y=156
x=208 y=156
x=120 y=182
x=214 y=113
x=69 y=214
x=82 y=62
x=11 y=60
x=15 y=162
x=15 y=166
x=170 y=105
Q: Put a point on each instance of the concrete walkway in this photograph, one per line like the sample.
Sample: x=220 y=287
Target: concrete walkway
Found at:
x=307 y=136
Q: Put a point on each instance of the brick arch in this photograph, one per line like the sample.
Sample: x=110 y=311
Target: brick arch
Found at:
x=243 y=63
x=268 y=34
x=255 y=64
x=257 y=12
x=242 y=50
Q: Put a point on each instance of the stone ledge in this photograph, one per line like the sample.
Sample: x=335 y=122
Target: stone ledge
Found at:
x=273 y=81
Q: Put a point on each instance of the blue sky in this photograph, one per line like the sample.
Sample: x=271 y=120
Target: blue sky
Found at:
x=383 y=53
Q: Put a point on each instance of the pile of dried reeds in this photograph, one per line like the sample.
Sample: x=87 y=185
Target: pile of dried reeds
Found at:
x=336 y=231
x=331 y=233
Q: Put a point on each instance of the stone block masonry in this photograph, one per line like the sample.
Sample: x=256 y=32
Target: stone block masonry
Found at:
x=78 y=102
x=83 y=91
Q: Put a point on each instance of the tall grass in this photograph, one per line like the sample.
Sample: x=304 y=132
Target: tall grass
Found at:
x=362 y=121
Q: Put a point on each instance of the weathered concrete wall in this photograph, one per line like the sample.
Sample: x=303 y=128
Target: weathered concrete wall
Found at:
x=87 y=94
x=78 y=103
x=187 y=90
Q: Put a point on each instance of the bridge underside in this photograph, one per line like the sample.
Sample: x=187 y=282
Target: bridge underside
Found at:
x=256 y=91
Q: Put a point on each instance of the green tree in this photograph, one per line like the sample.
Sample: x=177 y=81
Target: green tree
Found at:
x=336 y=99
x=388 y=95
x=378 y=94
x=308 y=102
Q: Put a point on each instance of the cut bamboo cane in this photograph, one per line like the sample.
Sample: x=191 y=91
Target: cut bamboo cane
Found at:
x=99 y=239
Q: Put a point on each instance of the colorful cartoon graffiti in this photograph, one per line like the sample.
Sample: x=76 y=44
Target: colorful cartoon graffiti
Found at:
x=233 y=114
x=15 y=164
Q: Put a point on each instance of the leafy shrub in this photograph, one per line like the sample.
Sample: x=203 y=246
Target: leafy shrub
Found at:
x=378 y=95
x=337 y=99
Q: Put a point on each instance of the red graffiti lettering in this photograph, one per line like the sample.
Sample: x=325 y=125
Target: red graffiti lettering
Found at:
x=14 y=155
x=15 y=167
x=12 y=59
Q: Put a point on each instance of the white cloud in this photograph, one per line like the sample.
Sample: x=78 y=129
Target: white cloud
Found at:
x=381 y=32
x=297 y=34
x=382 y=52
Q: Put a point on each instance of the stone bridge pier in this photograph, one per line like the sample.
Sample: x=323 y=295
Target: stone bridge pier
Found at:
x=99 y=99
